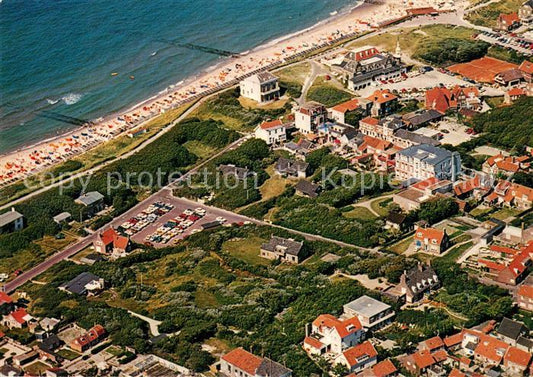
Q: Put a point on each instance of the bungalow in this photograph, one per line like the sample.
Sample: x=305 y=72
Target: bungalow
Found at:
x=509 y=331
x=93 y=201
x=89 y=339
x=283 y=249
x=359 y=357
x=396 y=220
x=330 y=335
x=5 y=299
x=514 y=94
x=291 y=168
x=383 y=102
x=516 y=361
x=508 y=22
x=301 y=148
x=241 y=363
x=419 y=363
x=109 y=241
x=306 y=188
x=231 y=170
x=355 y=105
x=508 y=78
x=432 y=344
x=272 y=132
x=17 y=319
x=63 y=217
x=308 y=117
x=431 y=240
x=84 y=284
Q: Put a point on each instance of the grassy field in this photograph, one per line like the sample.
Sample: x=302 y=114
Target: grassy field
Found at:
x=273 y=186
x=360 y=213
x=488 y=15
x=198 y=148
x=494 y=101
x=329 y=93
x=456 y=252
x=36 y=369
x=250 y=103
x=247 y=250
x=412 y=39
x=295 y=73
x=67 y=354
x=380 y=206
x=505 y=213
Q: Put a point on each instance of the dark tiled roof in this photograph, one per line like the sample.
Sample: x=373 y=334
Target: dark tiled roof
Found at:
x=290 y=246
x=240 y=173
x=77 y=285
x=510 y=328
x=271 y=369
x=421 y=117
x=416 y=138
x=285 y=165
x=396 y=218
x=307 y=188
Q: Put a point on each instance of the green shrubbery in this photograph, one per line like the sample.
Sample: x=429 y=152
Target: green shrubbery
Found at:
x=451 y=50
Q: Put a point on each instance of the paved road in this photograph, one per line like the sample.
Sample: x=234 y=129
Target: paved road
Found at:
x=154 y=324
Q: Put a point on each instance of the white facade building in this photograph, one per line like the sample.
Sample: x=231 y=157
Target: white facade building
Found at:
x=273 y=132
x=425 y=161
x=262 y=87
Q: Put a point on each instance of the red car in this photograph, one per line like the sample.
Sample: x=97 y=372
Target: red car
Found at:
x=17 y=272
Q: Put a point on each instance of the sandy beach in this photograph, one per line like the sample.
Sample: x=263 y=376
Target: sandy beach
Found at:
x=365 y=17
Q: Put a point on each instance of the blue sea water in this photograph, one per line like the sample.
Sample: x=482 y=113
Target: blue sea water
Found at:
x=57 y=56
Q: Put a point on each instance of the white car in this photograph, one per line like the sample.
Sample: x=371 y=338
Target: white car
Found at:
x=220 y=219
x=188 y=212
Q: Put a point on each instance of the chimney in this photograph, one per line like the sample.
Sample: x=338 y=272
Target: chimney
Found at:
x=12 y=209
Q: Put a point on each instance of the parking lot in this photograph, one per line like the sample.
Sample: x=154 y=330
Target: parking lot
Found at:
x=520 y=44
x=166 y=219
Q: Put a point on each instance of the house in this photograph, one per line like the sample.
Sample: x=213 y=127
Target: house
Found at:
x=476 y=187
x=516 y=361
x=291 y=168
x=47 y=347
x=25 y=358
x=508 y=78
x=510 y=194
x=525 y=13
x=396 y=220
x=301 y=148
x=17 y=319
x=432 y=344
x=241 y=363
x=443 y=99
x=373 y=314
x=261 y=87
x=412 y=197
x=527 y=71
x=425 y=161
x=414 y=284
x=85 y=283
x=5 y=299
x=419 y=363
x=366 y=65
x=355 y=105
x=231 y=170
x=383 y=102
x=308 y=117
x=420 y=118
x=89 y=339
x=11 y=221
x=93 y=201
x=508 y=21
x=524 y=295
x=506 y=165
x=48 y=324
x=509 y=331
x=110 y=242
x=514 y=94
x=306 y=188
x=384 y=368
x=283 y=249
x=431 y=240
x=517 y=270
x=359 y=357
x=63 y=217
x=272 y=132
x=330 y=335
x=337 y=133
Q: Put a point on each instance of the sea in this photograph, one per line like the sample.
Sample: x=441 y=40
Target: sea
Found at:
x=63 y=62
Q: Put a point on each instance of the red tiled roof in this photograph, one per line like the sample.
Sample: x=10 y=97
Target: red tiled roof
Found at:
x=440 y=99
x=514 y=92
x=5 y=298
x=465 y=187
x=491 y=264
x=243 y=360
x=110 y=236
x=350 y=105
x=509 y=19
x=315 y=343
x=384 y=368
x=422 y=11
x=363 y=349
x=364 y=54
x=18 y=315
x=271 y=124
x=90 y=336
x=517 y=356
x=454 y=339
x=370 y=120
x=503 y=249
x=382 y=96
x=483 y=69
x=430 y=234
x=423 y=359
x=425 y=183
x=526 y=67
x=434 y=343
x=491 y=348
x=456 y=373
x=525 y=291
x=344 y=328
